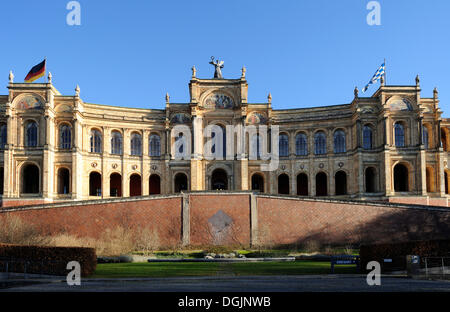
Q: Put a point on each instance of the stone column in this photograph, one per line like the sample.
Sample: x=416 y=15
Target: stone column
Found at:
x=385 y=131
x=420 y=121
x=186 y=226
x=358 y=133
x=439 y=134
x=254 y=240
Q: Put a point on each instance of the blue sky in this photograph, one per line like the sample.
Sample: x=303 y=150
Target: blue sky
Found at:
x=306 y=53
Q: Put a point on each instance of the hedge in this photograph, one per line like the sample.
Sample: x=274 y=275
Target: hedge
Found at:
x=398 y=252
x=47 y=260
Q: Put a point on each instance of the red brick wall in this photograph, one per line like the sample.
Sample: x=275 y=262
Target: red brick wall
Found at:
x=290 y=221
x=420 y=200
x=21 y=202
x=280 y=220
x=203 y=207
x=163 y=215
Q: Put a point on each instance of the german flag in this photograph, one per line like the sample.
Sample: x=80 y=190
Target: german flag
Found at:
x=36 y=72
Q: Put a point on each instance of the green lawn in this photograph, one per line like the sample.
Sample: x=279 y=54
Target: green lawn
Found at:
x=171 y=269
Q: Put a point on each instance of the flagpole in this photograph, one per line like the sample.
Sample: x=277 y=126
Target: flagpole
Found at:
x=385 y=81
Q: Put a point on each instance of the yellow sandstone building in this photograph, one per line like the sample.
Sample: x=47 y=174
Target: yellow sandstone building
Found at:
x=56 y=147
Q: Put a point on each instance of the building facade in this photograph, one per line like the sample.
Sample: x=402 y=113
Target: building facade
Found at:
x=57 y=147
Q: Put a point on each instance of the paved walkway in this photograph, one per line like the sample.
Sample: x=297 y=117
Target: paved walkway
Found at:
x=303 y=283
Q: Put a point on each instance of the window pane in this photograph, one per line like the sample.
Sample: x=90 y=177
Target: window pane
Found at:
x=31 y=134
x=136 y=145
x=320 y=143
x=3 y=136
x=155 y=145
x=301 y=145
x=425 y=137
x=65 y=139
x=116 y=143
x=339 y=142
x=284 y=145
x=367 y=137
x=399 y=135
x=96 y=141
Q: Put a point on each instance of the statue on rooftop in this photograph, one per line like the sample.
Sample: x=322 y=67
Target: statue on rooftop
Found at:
x=218 y=65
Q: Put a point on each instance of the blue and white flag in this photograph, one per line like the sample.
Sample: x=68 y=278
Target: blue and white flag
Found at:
x=380 y=72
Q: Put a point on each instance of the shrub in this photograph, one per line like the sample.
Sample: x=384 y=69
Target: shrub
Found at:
x=15 y=231
x=146 y=240
x=114 y=242
x=48 y=260
x=398 y=252
x=311 y=246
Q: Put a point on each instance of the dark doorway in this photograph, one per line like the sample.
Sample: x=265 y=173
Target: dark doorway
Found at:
x=444 y=139
x=257 y=183
x=135 y=185
x=340 y=182
x=302 y=184
x=63 y=181
x=2 y=179
x=400 y=178
x=115 y=185
x=429 y=179
x=446 y=182
x=30 y=179
x=370 y=180
x=154 y=184
x=283 y=184
x=321 y=184
x=219 y=180
x=181 y=182
x=95 y=184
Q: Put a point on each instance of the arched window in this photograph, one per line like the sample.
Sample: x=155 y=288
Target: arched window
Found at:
x=301 y=144
x=30 y=179
x=219 y=180
x=283 y=145
x=180 y=142
x=3 y=135
x=181 y=182
x=258 y=182
x=65 y=137
x=425 y=136
x=339 y=141
x=321 y=184
x=96 y=141
x=401 y=178
x=444 y=138
x=31 y=137
x=136 y=144
x=283 y=184
x=320 y=143
x=367 y=138
x=63 y=181
x=116 y=143
x=399 y=135
x=154 y=184
x=340 y=181
x=370 y=180
x=216 y=143
x=155 y=145
x=115 y=185
x=135 y=185
x=302 y=184
x=255 y=148
x=95 y=184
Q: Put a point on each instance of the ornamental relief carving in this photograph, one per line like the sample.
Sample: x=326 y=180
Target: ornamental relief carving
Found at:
x=218 y=101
